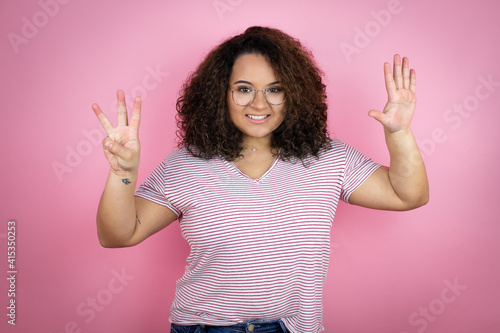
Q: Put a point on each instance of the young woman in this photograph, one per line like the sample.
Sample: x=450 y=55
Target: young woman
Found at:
x=255 y=183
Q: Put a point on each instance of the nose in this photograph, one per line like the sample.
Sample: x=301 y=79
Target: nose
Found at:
x=260 y=101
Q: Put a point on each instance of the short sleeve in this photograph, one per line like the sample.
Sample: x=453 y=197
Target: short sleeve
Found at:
x=358 y=168
x=155 y=189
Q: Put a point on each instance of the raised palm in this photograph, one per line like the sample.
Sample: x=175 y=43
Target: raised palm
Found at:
x=401 y=102
x=121 y=146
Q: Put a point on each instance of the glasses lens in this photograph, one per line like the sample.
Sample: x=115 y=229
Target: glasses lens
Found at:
x=275 y=95
x=243 y=96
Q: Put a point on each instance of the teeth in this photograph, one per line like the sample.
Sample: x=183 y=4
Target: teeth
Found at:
x=256 y=117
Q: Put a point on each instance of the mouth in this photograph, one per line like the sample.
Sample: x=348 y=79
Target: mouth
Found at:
x=254 y=117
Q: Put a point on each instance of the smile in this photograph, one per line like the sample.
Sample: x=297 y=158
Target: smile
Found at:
x=257 y=117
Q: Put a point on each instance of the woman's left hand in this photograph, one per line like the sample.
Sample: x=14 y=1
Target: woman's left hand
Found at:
x=402 y=100
x=403 y=185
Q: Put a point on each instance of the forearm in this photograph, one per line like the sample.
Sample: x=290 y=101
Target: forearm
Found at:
x=116 y=215
x=407 y=173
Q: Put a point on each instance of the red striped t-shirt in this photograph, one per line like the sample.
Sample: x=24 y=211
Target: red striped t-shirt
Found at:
x=259 y=247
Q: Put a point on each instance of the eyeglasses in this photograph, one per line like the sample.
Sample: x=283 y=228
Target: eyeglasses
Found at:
x=244 y=96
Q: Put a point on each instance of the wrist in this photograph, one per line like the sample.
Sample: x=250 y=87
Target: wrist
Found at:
x=126 y=177
x=399 y=134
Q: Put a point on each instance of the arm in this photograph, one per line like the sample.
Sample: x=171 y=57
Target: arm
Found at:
x=122 y=219
x=403 y=185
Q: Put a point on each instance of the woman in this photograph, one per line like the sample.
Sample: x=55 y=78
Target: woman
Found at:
x=255 y=183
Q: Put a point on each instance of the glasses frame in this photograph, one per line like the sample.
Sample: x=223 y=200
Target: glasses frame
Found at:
x=264 y=91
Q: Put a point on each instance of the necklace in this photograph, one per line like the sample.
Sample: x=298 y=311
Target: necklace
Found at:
x=257 y=148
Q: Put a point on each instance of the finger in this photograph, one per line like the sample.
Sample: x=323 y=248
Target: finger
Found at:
x=105 y=123
x=413 y=80
x=406 y=73
x=398 y=78
x=115 y=148
x=122 y=108
x=377 y=115
x=107 y=142
x=390 y=85
x=135 y=117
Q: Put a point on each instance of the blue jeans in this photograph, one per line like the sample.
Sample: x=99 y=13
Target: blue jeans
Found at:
x=252 y=326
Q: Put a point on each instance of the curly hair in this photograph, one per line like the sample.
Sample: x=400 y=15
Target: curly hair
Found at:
x=204 y=126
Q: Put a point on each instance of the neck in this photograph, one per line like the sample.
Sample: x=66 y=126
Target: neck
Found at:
x=256 y=144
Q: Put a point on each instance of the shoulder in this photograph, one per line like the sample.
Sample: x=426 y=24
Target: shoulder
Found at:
x=180 y=161
x=339 y=154
x=337 y=150
x=336 y=145
x=181 y=155
x=332 y=156
x=345 y=151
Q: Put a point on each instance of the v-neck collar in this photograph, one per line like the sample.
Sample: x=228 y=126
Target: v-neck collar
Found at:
x=234 y=168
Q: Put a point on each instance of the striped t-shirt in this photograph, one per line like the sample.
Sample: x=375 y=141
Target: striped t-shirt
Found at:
x=259 y=247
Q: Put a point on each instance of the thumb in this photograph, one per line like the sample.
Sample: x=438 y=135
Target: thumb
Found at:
x=114 y=148
x=377 y=115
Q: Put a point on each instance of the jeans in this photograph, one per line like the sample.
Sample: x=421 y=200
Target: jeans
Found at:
x=252 y=326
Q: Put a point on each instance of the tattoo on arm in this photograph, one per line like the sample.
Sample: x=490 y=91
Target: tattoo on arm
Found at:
x=126 y=181
x=138 y=219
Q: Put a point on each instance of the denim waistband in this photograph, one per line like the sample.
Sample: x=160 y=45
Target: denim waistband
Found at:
x=251 y=326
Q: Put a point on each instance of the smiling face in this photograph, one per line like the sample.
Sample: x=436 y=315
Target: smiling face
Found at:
x=259 y=119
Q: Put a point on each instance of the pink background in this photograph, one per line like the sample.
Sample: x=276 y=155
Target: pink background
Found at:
x=390 y=272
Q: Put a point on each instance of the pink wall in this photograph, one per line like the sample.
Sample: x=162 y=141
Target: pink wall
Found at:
x=431 y=270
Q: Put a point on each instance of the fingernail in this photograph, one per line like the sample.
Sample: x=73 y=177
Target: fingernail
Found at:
x=109 y=145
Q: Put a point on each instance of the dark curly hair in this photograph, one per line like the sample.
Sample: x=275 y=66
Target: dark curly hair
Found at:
x=205 y=128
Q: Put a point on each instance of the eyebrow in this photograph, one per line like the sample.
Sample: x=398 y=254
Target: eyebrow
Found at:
x=250 y=83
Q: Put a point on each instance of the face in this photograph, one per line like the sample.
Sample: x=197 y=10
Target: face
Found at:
x=259 y=119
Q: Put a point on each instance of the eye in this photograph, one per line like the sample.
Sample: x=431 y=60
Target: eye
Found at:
x=244 y=90
x=275 y=90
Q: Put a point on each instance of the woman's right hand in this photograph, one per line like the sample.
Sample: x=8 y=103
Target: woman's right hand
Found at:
x=121 y=146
